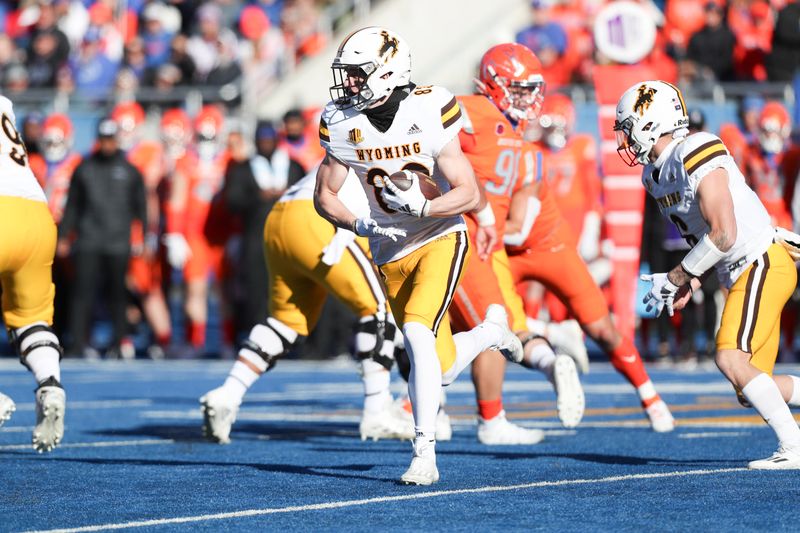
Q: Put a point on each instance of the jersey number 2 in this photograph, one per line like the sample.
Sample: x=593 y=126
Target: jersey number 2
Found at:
x=690 y=239
x=18 y=152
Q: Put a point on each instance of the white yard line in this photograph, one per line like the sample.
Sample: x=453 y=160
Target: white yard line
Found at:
x=384 y=499
x=712 y=434
x=98 y=444
x=94 y=404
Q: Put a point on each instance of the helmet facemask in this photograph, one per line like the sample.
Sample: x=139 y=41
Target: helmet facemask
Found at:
x=351 y=85
x=55 y=145
x=630 y=150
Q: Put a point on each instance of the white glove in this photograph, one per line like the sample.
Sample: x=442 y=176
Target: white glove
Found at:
x=333 y=252
x=790 y=241
x=589 y=243
x=178 y=250
x=411 y=202
x=661 y=295
x=366 y=227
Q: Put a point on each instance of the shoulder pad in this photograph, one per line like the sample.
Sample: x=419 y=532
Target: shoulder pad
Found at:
x=699 y=149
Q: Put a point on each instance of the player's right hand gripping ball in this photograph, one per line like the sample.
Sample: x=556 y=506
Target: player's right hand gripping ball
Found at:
x=409 y=192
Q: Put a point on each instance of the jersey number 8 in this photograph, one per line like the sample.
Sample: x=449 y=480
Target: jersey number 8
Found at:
x=376 y=175
x=18 y=152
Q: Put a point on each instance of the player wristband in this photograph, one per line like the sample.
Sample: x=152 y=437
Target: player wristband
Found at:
x=485 y=216
x=703 y=256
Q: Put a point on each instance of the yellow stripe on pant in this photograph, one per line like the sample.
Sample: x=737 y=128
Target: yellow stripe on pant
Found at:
x=421 y=287
x=27 y=247
x=294 y=237
x=752 y=313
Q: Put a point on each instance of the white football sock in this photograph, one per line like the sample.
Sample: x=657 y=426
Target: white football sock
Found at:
x=249 y=366
x=43 y=361
x=425 y=383
x=469 y=344
x=764 y=395
x=647 y=391
x=795 y=399
x=540 y=355
x=376 y=380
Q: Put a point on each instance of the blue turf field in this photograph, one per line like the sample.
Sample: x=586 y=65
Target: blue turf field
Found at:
x=133 y=457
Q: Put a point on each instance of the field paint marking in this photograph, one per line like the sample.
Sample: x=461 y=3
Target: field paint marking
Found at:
x=712 y=434
x=383 y=499
x=17 y=429
x=99 y=444
x=94 y=404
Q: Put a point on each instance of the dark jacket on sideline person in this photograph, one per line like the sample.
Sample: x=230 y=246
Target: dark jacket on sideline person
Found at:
x=106 y=195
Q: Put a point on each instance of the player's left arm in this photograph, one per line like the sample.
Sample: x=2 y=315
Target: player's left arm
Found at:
x=465 y=193
x=716 y=206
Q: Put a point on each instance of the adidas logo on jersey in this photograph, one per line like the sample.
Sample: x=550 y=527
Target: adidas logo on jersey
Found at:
x=413 y=129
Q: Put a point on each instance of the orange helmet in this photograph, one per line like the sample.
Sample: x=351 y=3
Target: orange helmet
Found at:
x=209 y=122
x=774 y=127
x=176 y=130
x=511 y=76
x=56 y=137
x=129 y=116
x=208 y=126
x=557 y=120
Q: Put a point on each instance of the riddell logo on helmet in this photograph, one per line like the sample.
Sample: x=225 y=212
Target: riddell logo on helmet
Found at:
x=389 y=43
x=644 y=99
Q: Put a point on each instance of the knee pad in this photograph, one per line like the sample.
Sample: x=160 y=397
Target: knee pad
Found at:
x=534 y=336
x=403 y=362
x=268 y=343
x=375 y=339
x=33 y=338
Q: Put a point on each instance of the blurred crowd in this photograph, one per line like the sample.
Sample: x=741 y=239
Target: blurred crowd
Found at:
x=696 y=40
x=96 y=47
x=149 y=264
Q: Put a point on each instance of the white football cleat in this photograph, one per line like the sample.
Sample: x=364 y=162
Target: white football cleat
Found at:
x=570 y=401
x=444 y=429
x=783 y=459
x=219 y=414
x=567 y=337
x=660 y=418
x=499 y=431
x=385 y=424
x=6 y=408
x=51 y=404
x=423 y=469
x=510 y=345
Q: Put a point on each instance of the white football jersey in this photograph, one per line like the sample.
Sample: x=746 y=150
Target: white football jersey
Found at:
x=427 y=119
x=351 y=193
x=673 y=181
x=16 y=178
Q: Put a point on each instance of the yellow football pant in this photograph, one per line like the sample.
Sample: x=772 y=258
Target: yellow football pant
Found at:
x=752 y=314
x=294 y=237
x=27 y=247
x=421 y=287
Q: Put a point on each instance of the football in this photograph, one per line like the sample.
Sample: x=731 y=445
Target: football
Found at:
x=427 y=185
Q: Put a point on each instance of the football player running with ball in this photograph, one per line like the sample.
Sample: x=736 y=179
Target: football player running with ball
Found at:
x=697 y=185
x=27 y=248
x=379 y=123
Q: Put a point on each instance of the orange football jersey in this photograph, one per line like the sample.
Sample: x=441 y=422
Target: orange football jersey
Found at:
x=502 y=161
x=765 y=176
x=574 y=180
